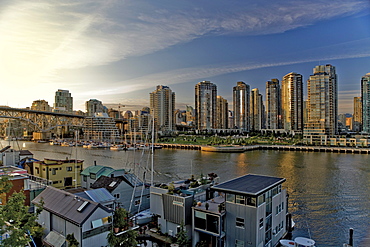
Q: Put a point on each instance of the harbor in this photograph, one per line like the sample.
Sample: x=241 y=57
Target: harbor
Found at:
x=328 y=192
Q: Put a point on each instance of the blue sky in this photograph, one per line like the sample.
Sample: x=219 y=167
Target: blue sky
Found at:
x=118 y=51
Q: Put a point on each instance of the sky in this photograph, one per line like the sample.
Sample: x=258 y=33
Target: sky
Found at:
x=119 y=51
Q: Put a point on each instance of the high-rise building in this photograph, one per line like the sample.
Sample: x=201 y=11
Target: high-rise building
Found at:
x=190 y=118
x=222 y=113
x=241 y=106
x=162 y=108
x=63 y=101
x=40 y=105
x=357 y=114
x=365 y=95
x=322 y=101
x=257 y=110
x=205 y=105
x=273 y=105
x=94 y=106
x=292 y=102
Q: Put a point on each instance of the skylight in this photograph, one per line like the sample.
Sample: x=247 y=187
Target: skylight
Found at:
x=83 y=205
x=112 y=184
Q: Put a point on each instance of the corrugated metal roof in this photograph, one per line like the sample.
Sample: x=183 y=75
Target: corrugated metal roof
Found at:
x=92 y=169
x=100 y=195
x=106 y=172
x=98 y=170
x=249 y=184
x=65 y=205
x=132 y=179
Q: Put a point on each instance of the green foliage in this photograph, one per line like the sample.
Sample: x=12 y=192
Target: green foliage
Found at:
x=17 y=222
x=5 y=185
x=194 y=184
x=182 y=236
x=72 y=241
x=121 y=221
x=201 y=243
x=127 y=239
x=171 y=188
x=120 y=218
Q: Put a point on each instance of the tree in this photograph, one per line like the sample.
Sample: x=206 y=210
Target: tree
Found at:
x=17 y=222
x=182 y=236
x=5 y=185
x=126 y=237
x=72 y=241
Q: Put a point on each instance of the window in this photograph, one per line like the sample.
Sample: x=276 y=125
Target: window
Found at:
x=55 y=182
x=261 y=199
x=116 y=195
x=240 y=199
x=239 y=243
x=261 y=222
x=85 y=178
x=251 y=201
x=92 y=176
x=37 y=170
x=137 y=202
x=230 y=198
x=239 y=222
x=69 y=168
x=274 y=191
x=54 y=171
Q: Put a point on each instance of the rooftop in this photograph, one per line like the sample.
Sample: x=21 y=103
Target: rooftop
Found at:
x=249 y=184
x=100 y=195
x=66 y=205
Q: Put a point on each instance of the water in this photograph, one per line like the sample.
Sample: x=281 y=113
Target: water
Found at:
x=328 y=192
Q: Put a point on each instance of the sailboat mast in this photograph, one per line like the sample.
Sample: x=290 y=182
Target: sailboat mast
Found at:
x=152 y=157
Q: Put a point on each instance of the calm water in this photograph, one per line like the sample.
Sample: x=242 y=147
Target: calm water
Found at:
x=329 y=192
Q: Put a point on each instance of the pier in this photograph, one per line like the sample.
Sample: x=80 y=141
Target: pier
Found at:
x=347 y=150
x=180 y=146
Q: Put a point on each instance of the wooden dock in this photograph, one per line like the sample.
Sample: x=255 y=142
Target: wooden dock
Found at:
x=347 y=150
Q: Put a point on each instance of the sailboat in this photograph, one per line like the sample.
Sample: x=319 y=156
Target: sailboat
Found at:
x=298 y=242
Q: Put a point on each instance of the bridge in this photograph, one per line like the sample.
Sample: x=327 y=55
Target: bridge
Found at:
x=42 y=121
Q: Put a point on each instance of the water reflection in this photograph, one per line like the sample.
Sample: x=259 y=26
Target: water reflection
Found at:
x=328 y=192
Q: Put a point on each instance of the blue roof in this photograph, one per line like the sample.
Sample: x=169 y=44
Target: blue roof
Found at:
x=249 y=184
x=133 y=179
x=100 y=195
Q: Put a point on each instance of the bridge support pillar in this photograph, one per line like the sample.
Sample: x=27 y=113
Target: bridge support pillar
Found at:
x=41 y=136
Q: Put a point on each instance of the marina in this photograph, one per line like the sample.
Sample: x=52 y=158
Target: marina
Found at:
x=328 y=192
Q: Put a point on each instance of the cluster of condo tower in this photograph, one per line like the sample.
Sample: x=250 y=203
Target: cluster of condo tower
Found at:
x=283 y=109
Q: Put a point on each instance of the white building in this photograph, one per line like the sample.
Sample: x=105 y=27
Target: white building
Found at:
x=65 y=213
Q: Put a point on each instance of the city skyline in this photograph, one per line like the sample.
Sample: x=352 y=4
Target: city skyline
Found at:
x=118 y=52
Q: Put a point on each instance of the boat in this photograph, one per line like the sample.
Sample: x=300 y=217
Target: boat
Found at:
x=223 y=149
x=117 y=148
x=144 y=217
x=298 y=242
x=287 y=243
x=67 y=144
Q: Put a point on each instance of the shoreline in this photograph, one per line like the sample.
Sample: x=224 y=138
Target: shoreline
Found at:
x=234 y=149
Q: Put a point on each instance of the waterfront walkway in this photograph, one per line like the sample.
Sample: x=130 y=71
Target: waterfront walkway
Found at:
x=348 y=150
x=317 y=149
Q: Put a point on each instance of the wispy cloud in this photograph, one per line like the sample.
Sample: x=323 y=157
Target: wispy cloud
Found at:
x=193 y=74
x=40 y=40
x=92 y=33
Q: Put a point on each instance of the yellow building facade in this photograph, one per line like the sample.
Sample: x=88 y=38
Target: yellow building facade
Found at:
x=64 y=173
